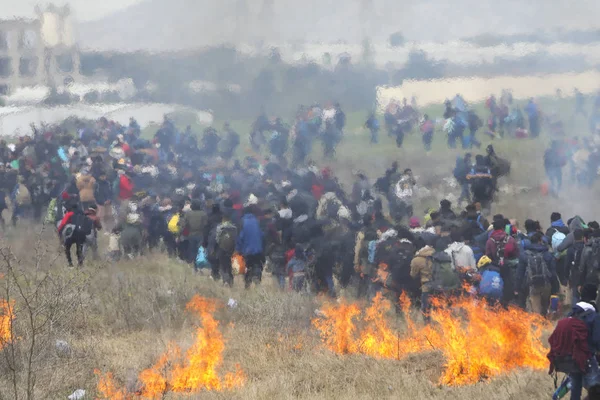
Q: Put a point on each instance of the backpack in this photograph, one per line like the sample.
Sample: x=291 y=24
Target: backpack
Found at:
x=538 y=273
x=443 y=276
x=201 y=260
x=500 y=246
x=173 y=225
x=83 y=225
x=565 y=363
x=23 y=197
x=492 y=284
x=595 y=256
x=226 y=238
x=557 y=239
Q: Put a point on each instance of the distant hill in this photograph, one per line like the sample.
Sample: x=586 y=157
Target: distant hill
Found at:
x=182 y=24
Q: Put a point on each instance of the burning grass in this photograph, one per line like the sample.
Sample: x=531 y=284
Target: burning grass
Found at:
x=478 y=342
x=174 y=372
x=6 y=320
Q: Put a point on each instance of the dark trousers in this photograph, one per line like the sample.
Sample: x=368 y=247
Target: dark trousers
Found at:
x=79 y=246
x=192 y=248
x=555 y=177
x=170 y=243
x=426 y=307
x=374 y=135
x=254 y=267
x=427 y=139
x=225 y=268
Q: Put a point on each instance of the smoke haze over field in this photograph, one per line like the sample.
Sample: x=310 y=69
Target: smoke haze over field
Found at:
x=182 y=24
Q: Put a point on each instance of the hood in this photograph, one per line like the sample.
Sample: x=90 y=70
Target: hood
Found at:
x=330 y=196
x=285 y=213
x=249 y=216
x=390 y=233
x=426 y=252
x=577 y=223
x=559 y=223
x=456 y=247
x=582 y=305
x=301 y=218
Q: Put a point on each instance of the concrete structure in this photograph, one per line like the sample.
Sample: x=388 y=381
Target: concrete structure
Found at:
x=38 y=52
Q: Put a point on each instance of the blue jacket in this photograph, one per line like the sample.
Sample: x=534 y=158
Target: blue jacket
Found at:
x=250 y=239
x=546 y=254
x=531 y=110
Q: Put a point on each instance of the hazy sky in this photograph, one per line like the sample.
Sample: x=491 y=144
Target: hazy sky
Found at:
x=83 y=9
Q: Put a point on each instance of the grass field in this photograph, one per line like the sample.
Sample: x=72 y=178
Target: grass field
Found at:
x=120 y=318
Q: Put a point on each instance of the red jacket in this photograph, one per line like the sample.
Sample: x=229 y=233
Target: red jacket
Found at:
x=511 y=250
x=65 y=221
x=570 y=338
x=125 y=188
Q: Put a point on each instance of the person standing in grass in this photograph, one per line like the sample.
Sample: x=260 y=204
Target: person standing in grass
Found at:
x=427 y=128
x=372 y=125
x=250 y=246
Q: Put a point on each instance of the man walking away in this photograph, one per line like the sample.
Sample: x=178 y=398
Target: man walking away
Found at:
x=73 y=229
x=427 y=128
x=554 y=161
x=372 y=125
x=250 y=246
x=193 y=227
x=421 y=268
x=461 y=169
x=537 y=270
x=573 y=345
x=226 y=236
x=573 y=264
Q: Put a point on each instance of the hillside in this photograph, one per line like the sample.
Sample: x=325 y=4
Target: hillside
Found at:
x=181 y=24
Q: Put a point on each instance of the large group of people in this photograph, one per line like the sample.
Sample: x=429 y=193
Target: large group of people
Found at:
x=193 y=201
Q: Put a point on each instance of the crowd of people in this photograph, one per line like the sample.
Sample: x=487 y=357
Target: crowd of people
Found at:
x=193 y=201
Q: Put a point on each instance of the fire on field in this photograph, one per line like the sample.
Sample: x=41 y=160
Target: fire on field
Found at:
x=187 y=372
x=478 y=342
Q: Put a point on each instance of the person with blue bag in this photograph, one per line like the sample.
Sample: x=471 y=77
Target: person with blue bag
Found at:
x=491 y=285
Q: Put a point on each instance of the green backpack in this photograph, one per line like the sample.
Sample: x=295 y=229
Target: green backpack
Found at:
x=443 y=276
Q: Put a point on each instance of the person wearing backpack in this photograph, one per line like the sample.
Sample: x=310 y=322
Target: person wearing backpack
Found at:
x=589 y=267
x=536 y=271
x=573 y=345
x=491 y=285
x=500 y=246
x=73 y=230
x=421 y=269
x=573 y=263
x=225 y=238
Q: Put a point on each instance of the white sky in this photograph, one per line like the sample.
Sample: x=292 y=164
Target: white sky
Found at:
x=83 y=10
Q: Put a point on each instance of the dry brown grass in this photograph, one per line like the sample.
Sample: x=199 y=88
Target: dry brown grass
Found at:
x=121 y=317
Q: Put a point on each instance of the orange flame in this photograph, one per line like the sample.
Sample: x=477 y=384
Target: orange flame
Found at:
x=477 y=341
x=197 y=371
x=6 y=321
x=337 y=327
